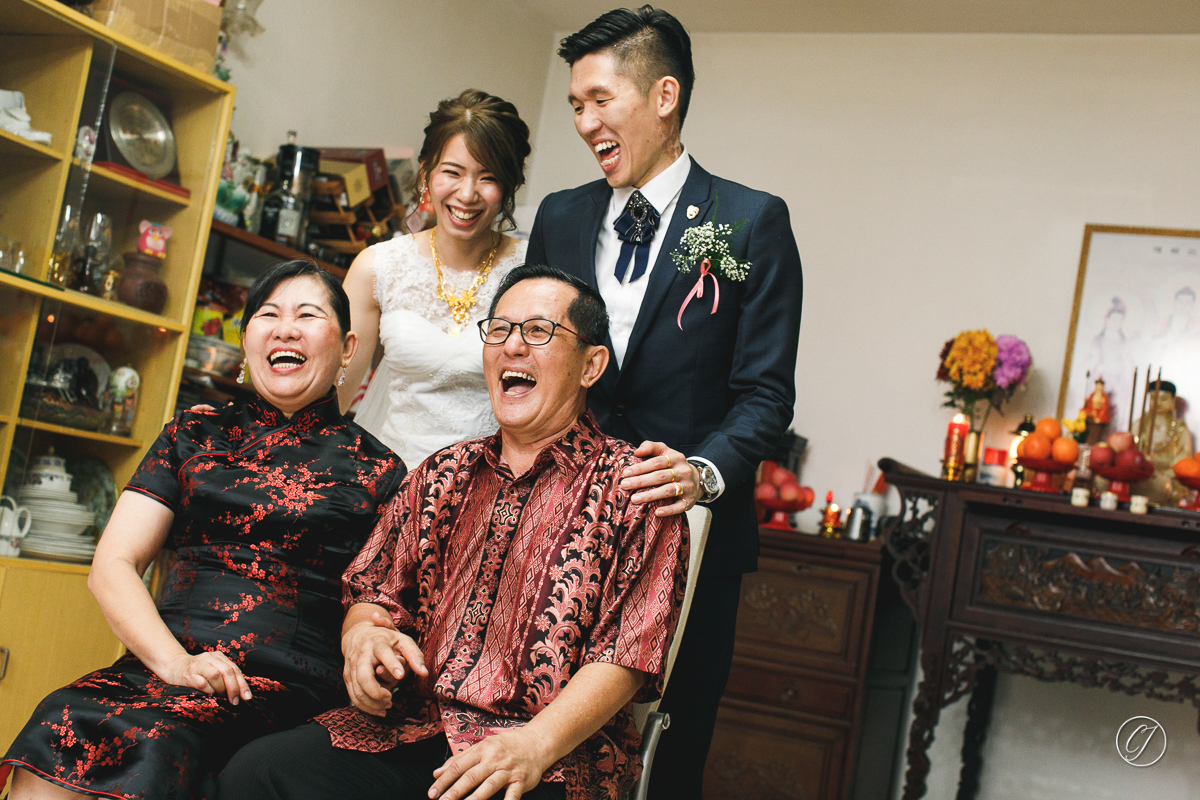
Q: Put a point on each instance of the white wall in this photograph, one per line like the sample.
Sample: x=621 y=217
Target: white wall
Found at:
x=936 y=184
x=371 y=77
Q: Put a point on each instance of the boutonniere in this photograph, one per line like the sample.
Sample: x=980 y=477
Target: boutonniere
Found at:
x=710 y=246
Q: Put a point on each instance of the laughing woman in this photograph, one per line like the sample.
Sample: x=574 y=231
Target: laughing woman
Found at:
x=265 y=502
x=420 y=296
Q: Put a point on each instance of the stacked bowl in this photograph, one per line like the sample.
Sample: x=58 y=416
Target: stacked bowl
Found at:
x=61 y=527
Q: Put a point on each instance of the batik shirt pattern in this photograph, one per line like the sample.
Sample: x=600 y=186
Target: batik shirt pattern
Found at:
x=510 y=585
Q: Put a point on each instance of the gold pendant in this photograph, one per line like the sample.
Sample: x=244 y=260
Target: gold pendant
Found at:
x=454 y=329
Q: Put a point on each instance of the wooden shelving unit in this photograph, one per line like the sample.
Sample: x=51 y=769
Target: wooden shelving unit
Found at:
x=58 y=57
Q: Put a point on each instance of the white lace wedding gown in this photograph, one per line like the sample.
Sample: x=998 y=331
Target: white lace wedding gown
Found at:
x=428 y=391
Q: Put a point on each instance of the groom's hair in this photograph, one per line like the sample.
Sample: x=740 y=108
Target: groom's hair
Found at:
x=647 y=44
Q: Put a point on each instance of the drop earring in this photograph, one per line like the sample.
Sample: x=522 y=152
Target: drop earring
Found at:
x=342 y=378
x=241 y=378
x=415 y=222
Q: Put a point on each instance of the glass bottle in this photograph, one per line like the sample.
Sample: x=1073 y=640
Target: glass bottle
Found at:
x=285 y=209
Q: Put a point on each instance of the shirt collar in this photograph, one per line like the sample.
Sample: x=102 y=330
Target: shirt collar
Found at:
x=570 y=452
x=661 y=189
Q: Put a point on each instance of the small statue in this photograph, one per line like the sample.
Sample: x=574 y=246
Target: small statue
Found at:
x=1096 y=415
x=1097 y=405
x=1165 y=439
x=153 y=239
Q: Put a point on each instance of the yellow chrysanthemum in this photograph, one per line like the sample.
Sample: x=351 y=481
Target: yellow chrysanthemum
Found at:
x=971 y=359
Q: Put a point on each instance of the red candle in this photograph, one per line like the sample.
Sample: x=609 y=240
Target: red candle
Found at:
x=956 y=440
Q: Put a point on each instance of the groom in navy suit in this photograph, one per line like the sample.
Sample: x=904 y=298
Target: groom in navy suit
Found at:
x=709 y=373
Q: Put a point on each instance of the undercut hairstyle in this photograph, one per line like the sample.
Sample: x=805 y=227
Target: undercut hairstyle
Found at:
x=587 y=312
x=495 y=136
x=261 y=291
x=647 y=44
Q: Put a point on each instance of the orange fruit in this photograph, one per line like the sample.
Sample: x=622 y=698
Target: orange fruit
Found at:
x=1065 y=449
x=1187 y=468
x=1037 y=445
x=1049 y=427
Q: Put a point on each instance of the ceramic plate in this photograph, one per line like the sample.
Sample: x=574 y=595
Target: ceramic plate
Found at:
x=142 y=134
x=59 y=352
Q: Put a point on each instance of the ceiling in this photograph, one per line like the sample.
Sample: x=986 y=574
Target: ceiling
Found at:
x=902 y=16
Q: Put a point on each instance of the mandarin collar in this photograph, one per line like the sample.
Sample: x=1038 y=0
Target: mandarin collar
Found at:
x=569 y=452
x=322 y=410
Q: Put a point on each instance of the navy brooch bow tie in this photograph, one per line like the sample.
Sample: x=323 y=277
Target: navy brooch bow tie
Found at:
x=635 y=228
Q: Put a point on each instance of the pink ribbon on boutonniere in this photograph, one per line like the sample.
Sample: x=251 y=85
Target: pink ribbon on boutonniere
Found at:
x=698 y=291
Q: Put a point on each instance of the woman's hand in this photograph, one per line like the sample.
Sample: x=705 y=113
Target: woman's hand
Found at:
x=662 y=474
x=210 y=672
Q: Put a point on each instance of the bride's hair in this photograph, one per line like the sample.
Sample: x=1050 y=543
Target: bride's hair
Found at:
x=495 y=136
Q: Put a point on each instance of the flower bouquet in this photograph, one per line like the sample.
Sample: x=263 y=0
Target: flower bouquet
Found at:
x=983 y=373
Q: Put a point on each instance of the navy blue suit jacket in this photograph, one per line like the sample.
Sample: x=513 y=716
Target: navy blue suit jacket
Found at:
x=722 y=388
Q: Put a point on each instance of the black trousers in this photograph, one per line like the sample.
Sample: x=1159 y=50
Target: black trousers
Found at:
x=695 y=687
x=302 y=764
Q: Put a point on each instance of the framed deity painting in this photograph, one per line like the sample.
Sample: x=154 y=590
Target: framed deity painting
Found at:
x=1135 y=308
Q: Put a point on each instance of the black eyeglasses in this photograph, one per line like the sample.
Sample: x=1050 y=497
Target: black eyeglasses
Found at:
x=535 y=332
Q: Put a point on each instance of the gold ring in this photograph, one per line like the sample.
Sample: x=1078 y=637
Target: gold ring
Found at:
x=674 y=477
x=678 y=489
x=669 y=462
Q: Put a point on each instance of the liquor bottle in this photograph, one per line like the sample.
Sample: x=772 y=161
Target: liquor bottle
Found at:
x=285 y=209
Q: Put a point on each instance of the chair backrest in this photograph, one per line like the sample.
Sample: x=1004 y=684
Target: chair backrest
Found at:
x=699 y=519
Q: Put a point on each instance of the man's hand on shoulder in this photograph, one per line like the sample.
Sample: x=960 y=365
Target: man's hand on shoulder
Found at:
x=511 y=762
x=378 y=658
x=662 y=474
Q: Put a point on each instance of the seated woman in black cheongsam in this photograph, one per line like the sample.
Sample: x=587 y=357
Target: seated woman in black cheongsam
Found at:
x=265 y=502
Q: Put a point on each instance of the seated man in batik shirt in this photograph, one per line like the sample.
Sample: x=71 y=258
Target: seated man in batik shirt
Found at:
x=510 y=604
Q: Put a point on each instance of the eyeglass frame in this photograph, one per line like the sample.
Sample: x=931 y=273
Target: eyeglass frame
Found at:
x=554 y=326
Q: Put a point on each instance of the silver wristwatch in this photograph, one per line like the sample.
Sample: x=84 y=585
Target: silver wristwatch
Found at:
x=709 y=485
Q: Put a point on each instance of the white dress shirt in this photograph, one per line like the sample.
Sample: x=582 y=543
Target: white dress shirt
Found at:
x=623 y=298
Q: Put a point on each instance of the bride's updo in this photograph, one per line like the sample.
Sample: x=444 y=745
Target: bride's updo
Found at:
x=495 y=136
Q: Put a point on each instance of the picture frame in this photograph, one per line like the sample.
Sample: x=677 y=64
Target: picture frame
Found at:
x=1135 y=307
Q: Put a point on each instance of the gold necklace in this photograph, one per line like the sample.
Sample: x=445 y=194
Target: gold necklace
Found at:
x=461 y=304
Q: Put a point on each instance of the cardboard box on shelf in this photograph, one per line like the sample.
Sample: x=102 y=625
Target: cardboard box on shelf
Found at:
x=354 y=178
x=370 y=157
x=182 y=29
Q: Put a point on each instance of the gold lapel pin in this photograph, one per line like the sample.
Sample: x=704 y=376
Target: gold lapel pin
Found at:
x=692 y=212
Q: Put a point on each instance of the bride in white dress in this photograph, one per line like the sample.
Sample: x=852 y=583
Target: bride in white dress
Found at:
x=420 y=296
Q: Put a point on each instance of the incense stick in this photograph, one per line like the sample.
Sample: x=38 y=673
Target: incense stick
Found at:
x=1154 y=412
x=1132 y=398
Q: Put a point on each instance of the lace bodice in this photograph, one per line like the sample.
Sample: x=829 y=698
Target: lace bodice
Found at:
x=428 y=391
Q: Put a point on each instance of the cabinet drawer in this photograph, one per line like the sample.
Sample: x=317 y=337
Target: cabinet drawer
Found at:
x=785 y=689
x=761 y=756
x=807 y=615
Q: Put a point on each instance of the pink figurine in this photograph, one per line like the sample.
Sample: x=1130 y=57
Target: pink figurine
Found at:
x=153 y=241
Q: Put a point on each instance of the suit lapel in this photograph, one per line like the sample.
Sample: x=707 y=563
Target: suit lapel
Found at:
x=589 y=233
x=696 y=191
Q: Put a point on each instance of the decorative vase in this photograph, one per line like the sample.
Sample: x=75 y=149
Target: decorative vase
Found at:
x=141 y=287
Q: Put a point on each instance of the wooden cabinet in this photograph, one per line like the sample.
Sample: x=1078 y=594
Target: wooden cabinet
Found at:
x=51 y=632
x=69 y=68
x=791 y=717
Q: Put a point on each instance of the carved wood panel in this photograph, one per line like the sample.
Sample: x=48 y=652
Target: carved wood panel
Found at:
x=754 y=755
x=802 y=614
x=1086 y=585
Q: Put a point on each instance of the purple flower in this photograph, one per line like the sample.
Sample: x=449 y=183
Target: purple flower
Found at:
x=1012 y=362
